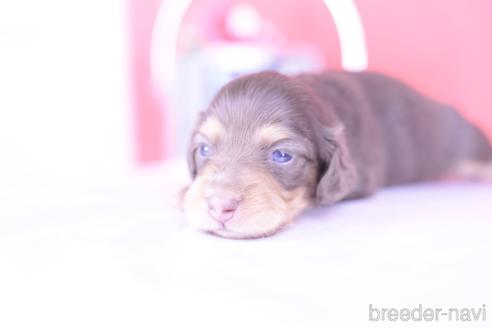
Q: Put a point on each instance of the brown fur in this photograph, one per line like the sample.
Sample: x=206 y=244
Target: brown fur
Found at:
x=350 y=134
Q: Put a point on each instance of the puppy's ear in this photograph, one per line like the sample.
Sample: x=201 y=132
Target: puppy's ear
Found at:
x=338 y=177
x=190 y=152
x=190 y=157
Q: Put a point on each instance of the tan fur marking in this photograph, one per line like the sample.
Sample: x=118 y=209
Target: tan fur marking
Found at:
x=269 y=134
x=266 y=206
x=212 y=129
x=474 y=170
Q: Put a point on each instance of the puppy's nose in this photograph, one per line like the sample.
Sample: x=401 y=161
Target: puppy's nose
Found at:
x=222 y=208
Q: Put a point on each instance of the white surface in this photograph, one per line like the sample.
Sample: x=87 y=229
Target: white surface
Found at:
x=65 y=109
x=120 y=255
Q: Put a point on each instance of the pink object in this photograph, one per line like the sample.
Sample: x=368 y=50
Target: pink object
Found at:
x=441 y=47
x=148 y=113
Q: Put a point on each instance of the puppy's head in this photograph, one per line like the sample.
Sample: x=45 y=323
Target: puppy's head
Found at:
x=258 y=157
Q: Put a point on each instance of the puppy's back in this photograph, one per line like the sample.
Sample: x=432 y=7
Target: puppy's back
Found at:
x=394 y=132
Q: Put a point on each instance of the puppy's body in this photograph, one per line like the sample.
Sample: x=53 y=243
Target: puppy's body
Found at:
x=395 y=135
x=270 y=146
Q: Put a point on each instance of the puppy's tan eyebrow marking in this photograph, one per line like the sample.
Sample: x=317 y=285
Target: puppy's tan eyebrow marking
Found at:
x=212 y=129
x=270 y=134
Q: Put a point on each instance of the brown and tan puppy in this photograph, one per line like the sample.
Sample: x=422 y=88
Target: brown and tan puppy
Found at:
x=269 y=146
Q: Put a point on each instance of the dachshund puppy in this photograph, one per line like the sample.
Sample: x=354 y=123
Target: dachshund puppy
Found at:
x=270 y=146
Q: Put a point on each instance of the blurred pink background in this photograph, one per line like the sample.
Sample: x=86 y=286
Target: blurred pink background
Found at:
x=440 y=47
x=92 y=90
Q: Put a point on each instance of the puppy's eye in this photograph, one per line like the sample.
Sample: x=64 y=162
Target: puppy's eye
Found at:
x=279 y=156
x=205 y=150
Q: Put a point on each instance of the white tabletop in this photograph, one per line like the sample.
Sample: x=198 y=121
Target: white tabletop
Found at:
x=120 y=254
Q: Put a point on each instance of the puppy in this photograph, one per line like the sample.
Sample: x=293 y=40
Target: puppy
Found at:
x=270 y=146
